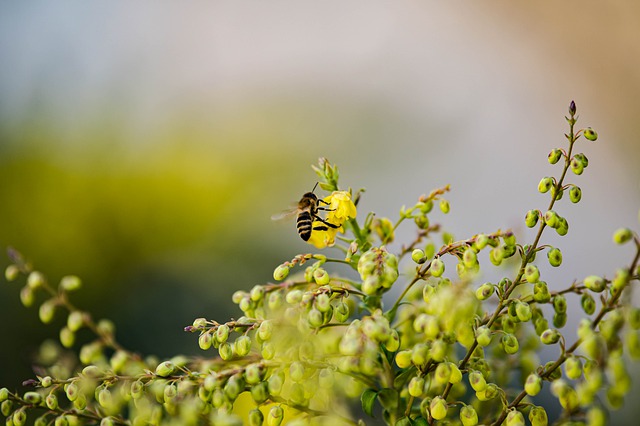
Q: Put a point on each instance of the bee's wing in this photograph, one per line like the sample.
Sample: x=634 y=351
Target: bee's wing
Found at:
x=287 y=214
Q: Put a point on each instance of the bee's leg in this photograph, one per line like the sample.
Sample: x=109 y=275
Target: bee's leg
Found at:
x=316 y=217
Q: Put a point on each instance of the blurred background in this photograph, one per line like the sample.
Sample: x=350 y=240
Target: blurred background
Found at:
x=145 y=148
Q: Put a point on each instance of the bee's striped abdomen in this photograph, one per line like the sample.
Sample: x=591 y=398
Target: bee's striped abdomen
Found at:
x=304 y=225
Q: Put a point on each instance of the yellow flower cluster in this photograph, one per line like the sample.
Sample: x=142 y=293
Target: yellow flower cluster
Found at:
x=340 y=208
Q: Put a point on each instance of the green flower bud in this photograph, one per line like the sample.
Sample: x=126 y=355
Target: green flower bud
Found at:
x=555 y=257
x=563 y=226
x=595 y=283
x=560 y=304
x=550 y=336
x=485 y=291
x=590 y=134
x=437 y=267
x=61 y=421
x=416 y=386
x=573 y=367
x=75 y=320
x=225 y=350
x=392 y=344
x=469 y=258
x=545 y=184
x=403 y=358
x=233 y=387
x=36 y=280
x=442 y=373
x=496 y=255
x=596 y=416
x=275 y=300
x=559 y=319
x=551 y=218
x=67 y=337
x=137 y=389
x=577 y=166
x=510 y=343
x=444 y=206
x=70 y=283
x=468 y=416
x=19 y=417
x=438 y=408
x=32 y=398
x=483 y=336
x=47 y=311
x=439 y=350
x=281 y=272
x=170 y=391
x=622 y=235
x=46 y=381
x=531 y=218
x=620 y=279
x=27 y=297
x=257 y=293
x=508 y=324
x=533 y=384
x=222 y=333
x=531 y=273
x=205 y=341
x=420 y=354
x=72 y=391
x=341 y=312
x=256 y=418
x=490 y=392
x=538 y=416
x=541 y=292
x=515 y=418
x=92 y=371
x=523 y=311
x=634 y=318
x=418 y=256
x=242 y=345
x=315 y=318
x=588 y=303
x=276 y=414
x=165 y=369
x=321 y=277
x=575 y=194
x=554 y=155
x=51 y=401
x=477 y=381
x=11 y=272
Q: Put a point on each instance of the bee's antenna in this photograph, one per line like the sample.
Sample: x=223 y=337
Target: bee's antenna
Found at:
x=314 y=187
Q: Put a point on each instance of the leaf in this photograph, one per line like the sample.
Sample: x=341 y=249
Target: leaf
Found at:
x=420 y=421
x=388 y=398
x=368 y=398
x=404 y=421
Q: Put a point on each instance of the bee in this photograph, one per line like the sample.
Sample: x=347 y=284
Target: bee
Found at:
x=307 y=212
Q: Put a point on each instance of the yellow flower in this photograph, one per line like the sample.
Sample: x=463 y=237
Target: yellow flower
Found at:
x=321 y=238
x=340 y=208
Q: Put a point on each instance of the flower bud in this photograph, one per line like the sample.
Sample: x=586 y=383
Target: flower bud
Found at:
x=444 y=206
x=596 y=417
x=575 y=194
x=551 y=218
x=560 y=304
x=468 y=416
x=573 y=367
x=341 y=312
x=541 y=292
x=622 y=235
x=47 y=311
x=484 y=291
x=35 y=280
x=437 y=267
x=545 y=184
x=531 y=273
x=588 y=303
x=27 y=296
x=555 y=257
x=538 y=416
x=403 y=358
x=533 y=384
x=559 y=319
x=222 y=333
x=554 y=156
x=577 y=167
x=531 y=218
x=620 y=279
x=225 y=350
x=550 y=336
x=256 y=418
x=416 y=386
x=590 y=134
x=281 y=272
x=276 y=414
x=477 y=381
x=321 y=277
x=483 y=336
x=67 y=337
x=11 y=272
x=595 y=283
x=438 y=408
x=165 y=369
x=563 y=226
x=523 y=311
x=510 y=343
x=51 y=401
x=70 y=283
x=242 y=345
x=490 y=392
x=315 y=318
x=515 y=418
x=205 y=341
x=469 y=258
x=418 y=256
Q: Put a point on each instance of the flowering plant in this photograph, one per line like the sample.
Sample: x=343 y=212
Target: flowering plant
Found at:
x=411 y=343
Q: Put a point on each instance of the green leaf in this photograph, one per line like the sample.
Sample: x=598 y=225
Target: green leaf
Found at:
x=420 y=421
x=388 y=398
x=404 y=421
x=368 y=398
